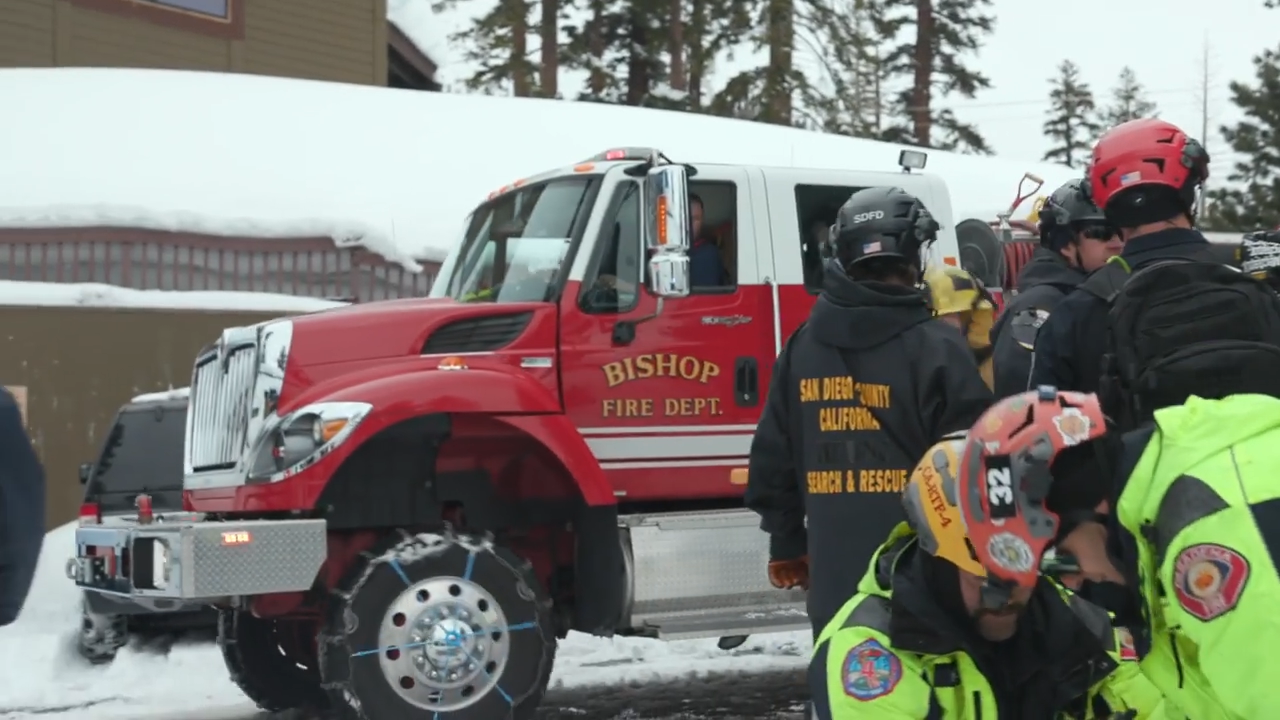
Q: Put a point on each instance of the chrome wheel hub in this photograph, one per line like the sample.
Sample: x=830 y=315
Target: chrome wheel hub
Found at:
x=446 y=644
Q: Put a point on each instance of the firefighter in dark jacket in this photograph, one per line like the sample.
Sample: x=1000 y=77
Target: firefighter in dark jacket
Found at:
x=1075 y=240
x=1144 y=175
x=22 y=494
x=860 y=391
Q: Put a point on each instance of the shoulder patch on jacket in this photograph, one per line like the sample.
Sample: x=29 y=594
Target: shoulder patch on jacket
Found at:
x=1026 y=325
x=870 y=670
x=1208 y=580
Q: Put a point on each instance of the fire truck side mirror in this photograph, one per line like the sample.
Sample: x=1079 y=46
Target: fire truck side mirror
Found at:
x=668 y=230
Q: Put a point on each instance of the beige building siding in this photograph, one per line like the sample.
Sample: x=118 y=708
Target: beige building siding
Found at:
x=342 y=40
x=26 y=33
x=89 y=38
x=338 y=40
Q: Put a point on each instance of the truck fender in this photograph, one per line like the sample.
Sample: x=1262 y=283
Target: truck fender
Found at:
x=562 y=438
x=512 y=397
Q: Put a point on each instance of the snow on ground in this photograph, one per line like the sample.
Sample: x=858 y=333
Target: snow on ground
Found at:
x=14 y=292
x=42 y=676
x=394 y=170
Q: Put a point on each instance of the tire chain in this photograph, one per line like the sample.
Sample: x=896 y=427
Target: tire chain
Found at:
x=411 y=548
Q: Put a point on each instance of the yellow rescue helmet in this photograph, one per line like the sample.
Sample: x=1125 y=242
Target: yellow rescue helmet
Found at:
x=933 y=505
x=955 y=290
x=1037 y=205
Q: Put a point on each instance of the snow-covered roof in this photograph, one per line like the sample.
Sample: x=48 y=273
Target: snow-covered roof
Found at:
x=163 y=395
x=427 y=30
x=28 y=294
x=393 y=170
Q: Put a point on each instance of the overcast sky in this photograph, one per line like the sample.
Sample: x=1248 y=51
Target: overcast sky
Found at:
x=1162 y=40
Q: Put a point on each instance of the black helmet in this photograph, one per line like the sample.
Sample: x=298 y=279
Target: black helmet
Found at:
x=1066 y=210
x=882 y=222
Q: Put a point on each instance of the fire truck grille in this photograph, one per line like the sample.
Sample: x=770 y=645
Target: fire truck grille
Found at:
x=219 y=409
x=483 y=334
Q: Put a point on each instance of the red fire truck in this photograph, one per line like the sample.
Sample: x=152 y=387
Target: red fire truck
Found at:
x=402 y=505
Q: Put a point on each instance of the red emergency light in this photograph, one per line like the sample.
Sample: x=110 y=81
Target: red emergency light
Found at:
x=90 y=514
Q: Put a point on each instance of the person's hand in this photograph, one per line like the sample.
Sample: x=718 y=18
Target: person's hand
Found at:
x=787 y=574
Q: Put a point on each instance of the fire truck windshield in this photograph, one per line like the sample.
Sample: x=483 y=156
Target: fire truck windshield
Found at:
x=516 y=245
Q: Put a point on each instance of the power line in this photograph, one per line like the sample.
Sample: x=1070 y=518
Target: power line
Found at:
x=1047 y=101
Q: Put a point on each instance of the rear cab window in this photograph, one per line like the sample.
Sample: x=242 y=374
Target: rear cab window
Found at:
x=816 y=208
x=142 y=453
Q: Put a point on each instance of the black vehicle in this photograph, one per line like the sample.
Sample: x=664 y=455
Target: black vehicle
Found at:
x=142 y=455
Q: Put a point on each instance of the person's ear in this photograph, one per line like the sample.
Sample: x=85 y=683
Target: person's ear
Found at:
x=1103 y=508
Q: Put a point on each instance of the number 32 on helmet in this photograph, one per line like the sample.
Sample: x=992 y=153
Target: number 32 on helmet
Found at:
x=1004 y=477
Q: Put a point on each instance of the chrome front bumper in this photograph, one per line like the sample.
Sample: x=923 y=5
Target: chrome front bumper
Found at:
x=199 y=560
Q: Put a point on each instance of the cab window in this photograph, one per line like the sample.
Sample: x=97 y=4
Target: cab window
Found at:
x=816 y=208
x=619 y=273
x=516 y=245
x=713 y=255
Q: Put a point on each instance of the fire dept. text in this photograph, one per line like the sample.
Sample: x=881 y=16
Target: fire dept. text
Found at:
x=667 y=407
x=660 y=366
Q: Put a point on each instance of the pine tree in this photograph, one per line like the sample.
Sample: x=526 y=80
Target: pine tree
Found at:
x=1071 y=121
x=498 y=43
x=1128 y=101
x=630 y=48
x=713 y=27
x=549 y=52
x=946 y=32
x=1254 y=201
x=847 y=95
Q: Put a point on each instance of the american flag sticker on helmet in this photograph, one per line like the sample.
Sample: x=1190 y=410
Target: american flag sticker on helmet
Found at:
x=871 y=247
x=1130 y=178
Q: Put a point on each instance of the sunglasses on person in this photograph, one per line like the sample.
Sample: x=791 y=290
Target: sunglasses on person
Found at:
x=1098 y=231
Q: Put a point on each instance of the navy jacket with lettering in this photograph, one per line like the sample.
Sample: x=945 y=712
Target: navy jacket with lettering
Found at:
x=1071 y=343
x=22 y=494
x=1041 y=285
x=879 y=334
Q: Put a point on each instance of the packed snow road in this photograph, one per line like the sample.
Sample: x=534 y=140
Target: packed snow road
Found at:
x=774 y=695
x=42 y=677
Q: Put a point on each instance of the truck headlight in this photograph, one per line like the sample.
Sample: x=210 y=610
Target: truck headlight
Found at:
x=302 y=437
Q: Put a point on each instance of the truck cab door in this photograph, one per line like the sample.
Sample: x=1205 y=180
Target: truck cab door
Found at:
x=668 y=392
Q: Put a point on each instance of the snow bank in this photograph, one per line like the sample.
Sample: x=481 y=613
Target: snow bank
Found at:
x=13 y=292
x=170 y=394
x=394 y=170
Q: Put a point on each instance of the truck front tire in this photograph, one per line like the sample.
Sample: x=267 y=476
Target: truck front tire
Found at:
x=438 y=624
x=267 y=660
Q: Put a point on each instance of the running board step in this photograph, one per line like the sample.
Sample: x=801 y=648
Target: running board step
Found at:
x=704 y=574
x=737 y=621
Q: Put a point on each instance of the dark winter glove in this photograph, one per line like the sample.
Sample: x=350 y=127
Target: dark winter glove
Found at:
x=787 y=574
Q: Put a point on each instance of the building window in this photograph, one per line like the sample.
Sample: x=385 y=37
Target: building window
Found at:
x=219 y=18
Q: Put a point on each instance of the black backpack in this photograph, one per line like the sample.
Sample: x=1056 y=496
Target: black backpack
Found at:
x=1180 y=328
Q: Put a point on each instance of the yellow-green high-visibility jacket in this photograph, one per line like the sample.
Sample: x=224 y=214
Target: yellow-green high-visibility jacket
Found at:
x=1202 y=508
x=859 y=673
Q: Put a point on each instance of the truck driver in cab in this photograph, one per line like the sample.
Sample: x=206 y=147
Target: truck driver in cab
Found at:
x=860 y=391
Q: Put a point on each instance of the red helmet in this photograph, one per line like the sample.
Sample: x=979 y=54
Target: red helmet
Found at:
x=1146 y=170
x=1004 y=477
